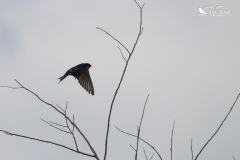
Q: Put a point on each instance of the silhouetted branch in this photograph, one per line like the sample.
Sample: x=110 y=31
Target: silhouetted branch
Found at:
x=139 y=128
x=140 y=29
x=192 y=148
x=218 y=127
x=62 y=113
x=73 y=125
x=152 y=156
x=11 y=87
x=129 y=57
x=172 y=139
x=70 y=129
x=122 y=54
x=45 y=141
x=140 y=139
x=55 y=126
x=60 y=107
x=145 y=154
x=114 y=39
x=133 y=148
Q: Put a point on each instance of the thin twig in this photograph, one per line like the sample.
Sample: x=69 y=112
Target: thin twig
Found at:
x=137 y=3
x=115 y=94
x=45 y=141
x=122 y=54
x=73 y=125
x=172 y=139
x=139 y=128
x=133 y=148
x=192 y=148
x=152 y=156
x=114 y=39
x=66 y=108
x=140 y=29
x=11 y=87
x=62 y=113
x=145 y=154
x=59 y=107
x=218 y=127
x=69 y=128
x=55 y=126
x=140 y=139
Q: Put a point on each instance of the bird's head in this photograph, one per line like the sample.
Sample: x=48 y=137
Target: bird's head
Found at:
x=87 y=65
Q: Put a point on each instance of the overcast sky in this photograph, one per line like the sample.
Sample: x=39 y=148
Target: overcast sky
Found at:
x=188 y=63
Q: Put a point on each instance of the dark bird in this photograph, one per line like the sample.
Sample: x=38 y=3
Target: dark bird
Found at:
x=81 y=73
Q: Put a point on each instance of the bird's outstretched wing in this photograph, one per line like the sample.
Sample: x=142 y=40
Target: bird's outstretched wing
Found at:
x=86 y=82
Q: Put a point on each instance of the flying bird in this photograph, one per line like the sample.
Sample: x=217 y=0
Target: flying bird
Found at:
x=81 y=73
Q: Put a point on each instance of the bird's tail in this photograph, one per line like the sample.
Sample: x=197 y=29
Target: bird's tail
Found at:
x=64 y=76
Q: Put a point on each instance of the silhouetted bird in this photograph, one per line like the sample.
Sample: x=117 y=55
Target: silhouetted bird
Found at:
x=82 y=74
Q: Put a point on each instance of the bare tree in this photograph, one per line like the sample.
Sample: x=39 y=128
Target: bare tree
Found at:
x=199 y=153
x=70 y=127
x=124 y=71
x=68 y=121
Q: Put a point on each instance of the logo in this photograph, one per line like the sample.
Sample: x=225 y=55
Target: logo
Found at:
x=217 y=11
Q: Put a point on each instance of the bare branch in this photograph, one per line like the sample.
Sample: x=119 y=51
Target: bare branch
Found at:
x=73 y=125
x=140 y=28
x=38 y=97
x=218 y=128
x=62 y=113
x=139 y=5
x=233 y=158
x=60 y=107
x=45 y=141
x=122 y=54
x=133 y=148
x=145 y=154
x=152 y=156
x=139 y=128
x=11 y=87
x=55 y=126
x=114 y=39
x=192 y=148
x=140 y=139
x=115 y=94
x=172 y=139
x=66 y=109
x=69 y=128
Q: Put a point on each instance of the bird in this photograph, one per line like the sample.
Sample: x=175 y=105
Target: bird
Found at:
x=81 y=73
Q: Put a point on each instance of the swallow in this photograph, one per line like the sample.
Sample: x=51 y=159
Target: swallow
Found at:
x=81 y=73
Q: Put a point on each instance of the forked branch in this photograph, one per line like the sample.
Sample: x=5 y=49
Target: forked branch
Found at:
x=45 y=141
x=217 y=128
x=60 y=111
x=141 y=140
x=139 y=128
x=123 y=73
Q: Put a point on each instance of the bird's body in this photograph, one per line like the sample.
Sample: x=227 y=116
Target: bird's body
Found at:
x=81 y=73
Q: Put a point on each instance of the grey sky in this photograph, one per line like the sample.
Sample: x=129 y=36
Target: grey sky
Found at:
x=189 y=65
